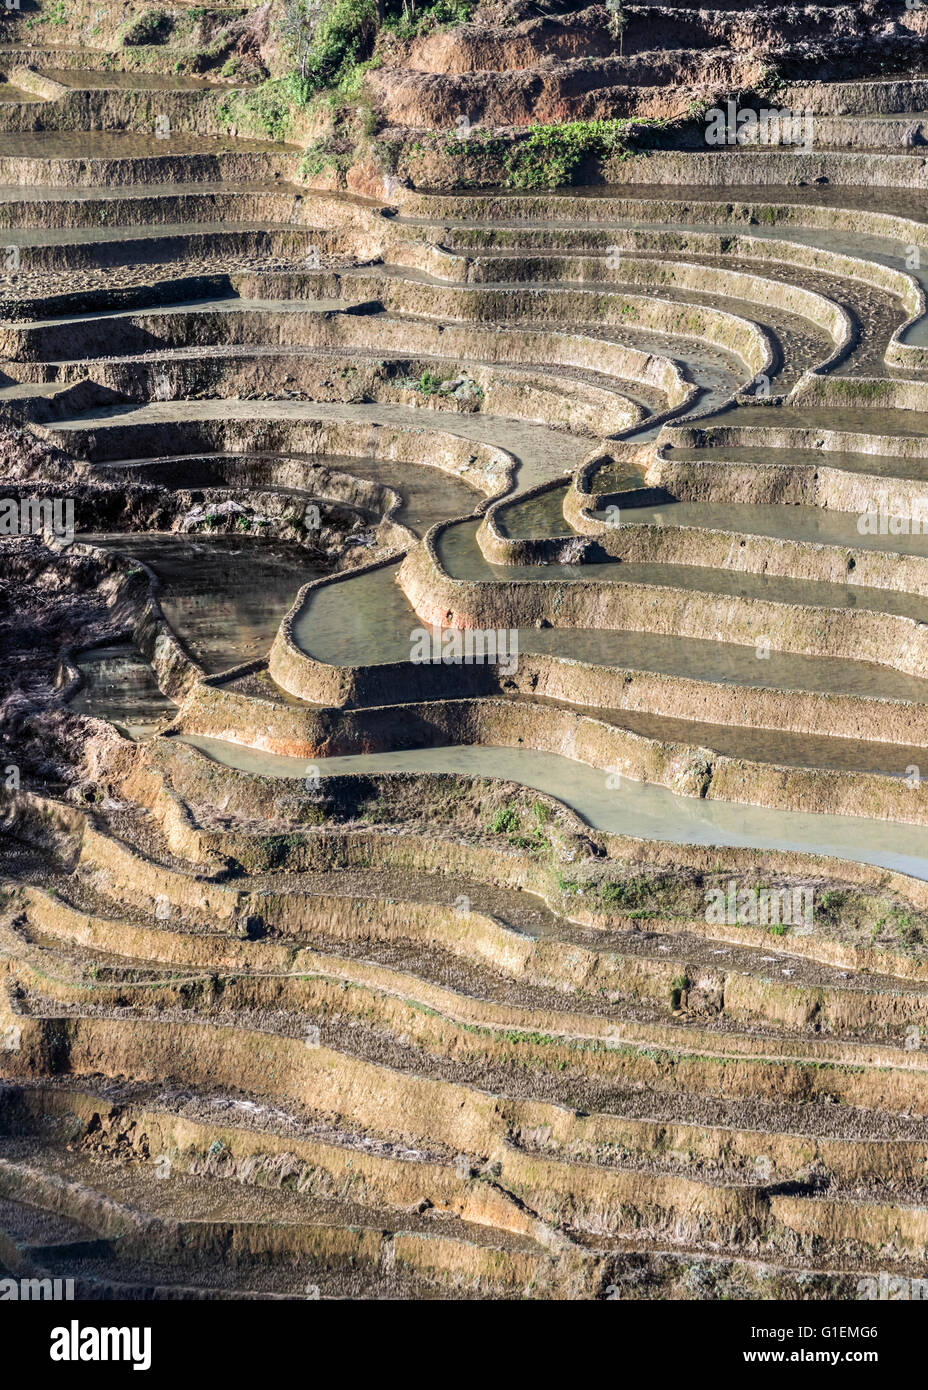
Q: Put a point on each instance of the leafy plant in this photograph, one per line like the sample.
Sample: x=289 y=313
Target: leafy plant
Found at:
x=552 y=155
x=266 y=108
x=408 y=19
x=505 y=821
x=831 y=902
x=342 y=37
x=429 y=384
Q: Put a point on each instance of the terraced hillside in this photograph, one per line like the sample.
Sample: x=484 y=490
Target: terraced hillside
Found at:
x=337 y=960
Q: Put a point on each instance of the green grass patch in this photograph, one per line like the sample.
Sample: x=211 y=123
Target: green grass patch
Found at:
x=504 y=822
x=407 y=19
x=552 y=155
x=266 y=109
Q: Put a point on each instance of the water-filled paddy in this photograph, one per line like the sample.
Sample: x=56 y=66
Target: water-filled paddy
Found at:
x=224 y=596
x=631 y=808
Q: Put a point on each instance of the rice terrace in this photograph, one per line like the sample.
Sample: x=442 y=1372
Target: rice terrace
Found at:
x=464 y=634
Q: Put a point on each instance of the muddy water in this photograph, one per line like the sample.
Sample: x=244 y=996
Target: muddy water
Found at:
x=540 y=517
x=461 y=557
x=224 y=596
x=901 y=202
x=428 y=494
x=131 y=81
x=773 y=746
x=698 y=659
x=363 y=621
x=16 y=193
x=119 y=685
x=543 y=516
x=232 y=304
x=880 y=250
x=367 y=620
x=12 y=96
x=633 y=808
x=717 y=372
x=151 y=231
x=811 y=524
x=880 y=465
x=803 y=344
x=911 y=424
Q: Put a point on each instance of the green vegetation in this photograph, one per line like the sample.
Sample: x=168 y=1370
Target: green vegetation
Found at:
x=151 y=27
x=617 y=21
x=552 y=155
x=266 y=109
x=508 y=821
x=831 y=902
x=329 y=41
x=407 y=19
x=549 y=156
x=771 y=84
x=335 y=43
x=904 y=925
x=635 y=893
x=630 y=894
x=332 y=41
x=659 y=895
x=505 y=820
x=429 y=384
x=328 y=152
x=56 y=14
x=342 y=39
x=450 y=383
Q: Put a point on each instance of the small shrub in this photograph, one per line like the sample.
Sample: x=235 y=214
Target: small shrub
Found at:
x=429 y=384
x=343 y=37
x=408 y=19
x=151 y=27
x=505 y=821
x=552 y=155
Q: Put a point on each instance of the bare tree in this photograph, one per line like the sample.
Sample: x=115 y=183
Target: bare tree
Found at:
x=299 y=21
x=617 y=22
